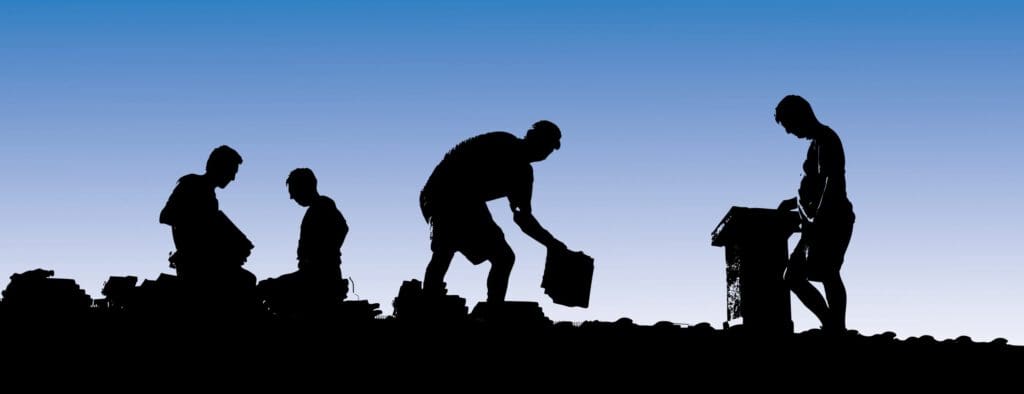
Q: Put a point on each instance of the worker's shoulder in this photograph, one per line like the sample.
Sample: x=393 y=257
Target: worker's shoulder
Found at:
x=190 y=180
x=493 y=138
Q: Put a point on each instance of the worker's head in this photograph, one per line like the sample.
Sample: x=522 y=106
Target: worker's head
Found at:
x=542 y=139
x=222 y=166
x=795 y=115
x=302 y=186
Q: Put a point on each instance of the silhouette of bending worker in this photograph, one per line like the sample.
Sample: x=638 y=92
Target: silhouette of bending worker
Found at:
x=826 y=215
x=454 y=203
x=317 y=284
x=210 y=249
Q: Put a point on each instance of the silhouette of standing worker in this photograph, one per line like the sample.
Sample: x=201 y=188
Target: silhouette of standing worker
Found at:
x=454 y=203
x=210 y=249
x=826 y=215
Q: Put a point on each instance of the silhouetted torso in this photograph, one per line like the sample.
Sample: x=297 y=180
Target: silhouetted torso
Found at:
x=480 y=169
x=189 y=211
x=825 y=159
x=203 y=235
x=321 y=235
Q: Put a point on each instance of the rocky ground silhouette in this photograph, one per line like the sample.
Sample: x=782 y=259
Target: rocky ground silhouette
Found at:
x=52 y=324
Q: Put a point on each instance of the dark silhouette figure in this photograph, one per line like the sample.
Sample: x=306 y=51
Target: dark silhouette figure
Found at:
x=454 y=203
x=317 y=286
x=826 y=215
x=210 y=249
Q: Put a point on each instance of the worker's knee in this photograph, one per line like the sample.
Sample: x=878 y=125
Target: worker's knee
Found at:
x=831 y=278
x=794 y=276
x=504 y=258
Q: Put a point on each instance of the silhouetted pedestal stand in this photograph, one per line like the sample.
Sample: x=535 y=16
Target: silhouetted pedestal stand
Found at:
x=756 y=252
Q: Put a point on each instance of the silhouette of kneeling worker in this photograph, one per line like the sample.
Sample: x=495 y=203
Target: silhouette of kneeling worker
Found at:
x=826 y=215
x=317 y=286
x=210 y=249
x=454 y=202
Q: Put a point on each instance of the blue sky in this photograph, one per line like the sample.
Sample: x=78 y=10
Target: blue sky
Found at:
x=666 y=111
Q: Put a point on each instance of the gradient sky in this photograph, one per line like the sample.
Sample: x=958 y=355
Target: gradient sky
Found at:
x=666 y=111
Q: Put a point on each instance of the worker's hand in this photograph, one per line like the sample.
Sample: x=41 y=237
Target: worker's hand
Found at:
x=807 y=227
x=243 y=256
x=788 y=205
x=558 y=246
